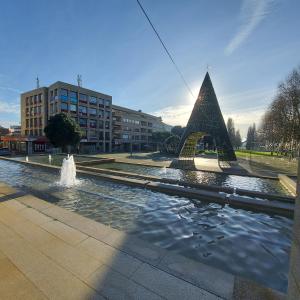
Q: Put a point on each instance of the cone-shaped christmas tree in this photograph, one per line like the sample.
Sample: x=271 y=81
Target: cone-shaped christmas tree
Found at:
x=206 y=119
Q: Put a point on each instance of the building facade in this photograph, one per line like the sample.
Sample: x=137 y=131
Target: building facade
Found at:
x=90 y=109
x=105 y=127
x=132 y=129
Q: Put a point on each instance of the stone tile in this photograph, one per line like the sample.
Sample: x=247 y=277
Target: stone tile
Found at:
x=201 y=275
x=169 y=286
x=34 y=202
x=295 y=261
x=14 y=285
x=113 y=285
x=54 y=281
x=117 y=260
x=246 y=289
x=142 y=250
x=35 y=216
x=34 y=234
x=2 y=255
x=293 y=289
x=64 y=232
x=9 y=217
x=14 y=205
x=7 y=190
x=71 y=258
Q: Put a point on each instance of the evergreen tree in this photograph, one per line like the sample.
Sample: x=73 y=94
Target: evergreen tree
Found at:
x=238 y=139
x=231 y=131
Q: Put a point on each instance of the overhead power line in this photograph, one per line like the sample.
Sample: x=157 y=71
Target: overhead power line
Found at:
x=167 y=51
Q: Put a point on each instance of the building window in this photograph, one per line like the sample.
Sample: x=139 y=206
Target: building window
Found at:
x=101 y=113
x=125 y=136
x=27 y=112
x=93 y=111
x=150 y=124
x=27 y=123
x=101 y=135
x=63 y=94
x=93 y=100
x=40 y=98
x=83 y=98
x=107 y=102
x=55 y=94
x=101 y=102
x=106 y=124
x=92 y=134
x=93 y=123
x=73 y=97
x=35 y=99
x=107 y=114
x=101 y=124
x=107 y=135
x=31 y=100
x=27 y=101
x=64 y=106
x=82 y=110
x=40 y=122
x=82 y=122
x=73 y=108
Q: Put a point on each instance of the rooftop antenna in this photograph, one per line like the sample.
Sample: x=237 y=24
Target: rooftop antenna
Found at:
x=37 y=82
x=79 y=80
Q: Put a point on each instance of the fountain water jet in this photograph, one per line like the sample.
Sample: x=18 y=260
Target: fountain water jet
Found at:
x=50 y=159
x=68 y=172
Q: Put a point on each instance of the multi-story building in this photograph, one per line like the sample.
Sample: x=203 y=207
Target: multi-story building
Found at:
x=132 y=129
x=105 y=127
x=90 y=109
x=15 y=130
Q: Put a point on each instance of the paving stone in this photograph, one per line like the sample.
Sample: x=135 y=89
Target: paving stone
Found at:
x=34 y=202
x=64 y=232
x=14 y=285
x=33 y=234
x=113 y=285
x=246 y=289
x=117 y=260
x=142 y=250
x=54 y=281
x=8 y=216
x=7 y=190
x=206 y=277
x=295 y=261
x=169 y=286
x=35 y=216
x=71 y=258
x=293 y=289
x=14 y=205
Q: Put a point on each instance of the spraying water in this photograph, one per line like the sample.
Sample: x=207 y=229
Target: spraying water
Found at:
x=26 y=158
x=68 y=172
x=50 y=159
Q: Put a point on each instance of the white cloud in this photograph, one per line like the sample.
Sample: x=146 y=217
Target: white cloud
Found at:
x=9 y=108
x=251 y=14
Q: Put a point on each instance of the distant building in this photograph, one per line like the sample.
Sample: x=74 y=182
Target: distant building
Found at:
x=132 y=129
x=15 y=130
x=105 y=127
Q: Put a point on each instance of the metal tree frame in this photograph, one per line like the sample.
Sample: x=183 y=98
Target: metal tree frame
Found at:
x=206 y=119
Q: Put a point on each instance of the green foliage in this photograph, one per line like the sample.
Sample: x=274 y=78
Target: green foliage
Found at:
x=178 y=130
x=4 y=131
x=160 y=136
x=62 y=131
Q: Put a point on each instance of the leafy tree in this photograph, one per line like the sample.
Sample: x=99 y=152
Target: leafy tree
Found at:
x=62 y=131
x=178 y=130
x=160 y=136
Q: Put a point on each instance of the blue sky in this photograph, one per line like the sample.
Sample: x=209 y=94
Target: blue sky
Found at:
x=250 y=45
